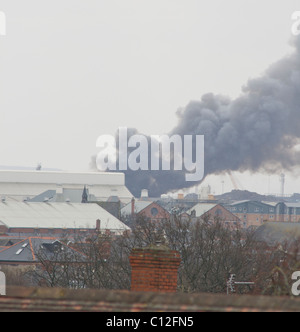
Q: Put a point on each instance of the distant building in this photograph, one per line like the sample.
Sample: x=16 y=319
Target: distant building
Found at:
x=151 y=211
x=288 y=212
x=27 y=185
x=253 y=213
x=212 y=211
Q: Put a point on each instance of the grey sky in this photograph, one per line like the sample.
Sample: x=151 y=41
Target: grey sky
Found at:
x=71 y=70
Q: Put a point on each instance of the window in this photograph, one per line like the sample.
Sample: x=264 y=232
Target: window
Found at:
x=218 y=212
x=154 y=212
x=19 y=251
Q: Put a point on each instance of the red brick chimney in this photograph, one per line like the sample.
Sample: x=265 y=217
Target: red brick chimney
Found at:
x=154 y=269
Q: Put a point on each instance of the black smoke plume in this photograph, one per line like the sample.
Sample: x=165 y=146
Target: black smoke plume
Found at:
x=259 y=130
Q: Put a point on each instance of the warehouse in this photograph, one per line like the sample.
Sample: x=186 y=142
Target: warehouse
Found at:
x=18 y=185
x=56 y=219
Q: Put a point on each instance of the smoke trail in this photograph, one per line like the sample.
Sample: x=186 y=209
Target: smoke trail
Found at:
x=258 y=130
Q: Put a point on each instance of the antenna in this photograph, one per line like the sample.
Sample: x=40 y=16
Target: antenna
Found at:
x=231 y=283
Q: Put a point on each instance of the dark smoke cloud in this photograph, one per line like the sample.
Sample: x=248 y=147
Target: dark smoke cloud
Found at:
x=257 y=131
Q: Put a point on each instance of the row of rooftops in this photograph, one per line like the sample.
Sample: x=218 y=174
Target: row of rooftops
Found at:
x=29 y=249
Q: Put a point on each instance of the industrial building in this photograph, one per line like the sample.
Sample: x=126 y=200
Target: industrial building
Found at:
x=56 y=219
x=16 y=185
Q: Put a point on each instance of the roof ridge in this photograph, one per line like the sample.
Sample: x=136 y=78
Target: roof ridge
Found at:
x=31 y=248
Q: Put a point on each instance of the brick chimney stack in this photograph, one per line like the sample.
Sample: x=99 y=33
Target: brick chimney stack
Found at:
x=154 y=269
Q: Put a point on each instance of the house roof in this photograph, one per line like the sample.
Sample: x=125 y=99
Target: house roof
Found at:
x=57 y=215
x=28 y=250
x=201 y=208
x=138 y=207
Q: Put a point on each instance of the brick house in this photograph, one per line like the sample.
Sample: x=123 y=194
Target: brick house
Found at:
x=211 y=211
x=151 y=211
x=154 y=213
x=253 y=213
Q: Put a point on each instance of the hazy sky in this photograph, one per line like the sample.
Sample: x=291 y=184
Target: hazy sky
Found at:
x=71 y=70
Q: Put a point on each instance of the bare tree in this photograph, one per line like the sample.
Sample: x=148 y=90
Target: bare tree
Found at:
x=210 y=251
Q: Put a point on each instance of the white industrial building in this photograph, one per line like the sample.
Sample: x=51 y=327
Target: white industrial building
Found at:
x=18 y=185
x=53 y=218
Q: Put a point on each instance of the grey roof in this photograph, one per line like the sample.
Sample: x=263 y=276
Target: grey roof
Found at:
x=201 y=208
x=67 y=195
x=292 y=205
x=57 y=215
x=138 y=207
x=48 y=194
x=29 y=250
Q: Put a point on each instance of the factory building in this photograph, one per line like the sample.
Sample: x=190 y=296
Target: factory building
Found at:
x=26 y=185
x=56 y=219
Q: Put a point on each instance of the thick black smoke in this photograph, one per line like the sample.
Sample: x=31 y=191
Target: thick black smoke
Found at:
x=258 y=130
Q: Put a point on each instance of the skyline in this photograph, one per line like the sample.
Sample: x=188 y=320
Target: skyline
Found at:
x=71 y=71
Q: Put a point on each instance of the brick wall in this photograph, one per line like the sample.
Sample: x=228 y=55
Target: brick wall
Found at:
x=154 y=212
x=84 y=300
x=154 y=269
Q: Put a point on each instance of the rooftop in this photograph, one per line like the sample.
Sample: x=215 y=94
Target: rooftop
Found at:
x=26 y=250
x=62 y=177
x=57 y=215
x=202 y=208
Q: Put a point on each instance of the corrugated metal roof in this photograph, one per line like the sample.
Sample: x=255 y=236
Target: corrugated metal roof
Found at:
x=20 y=185
x=57 y=215
x=38 y=177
